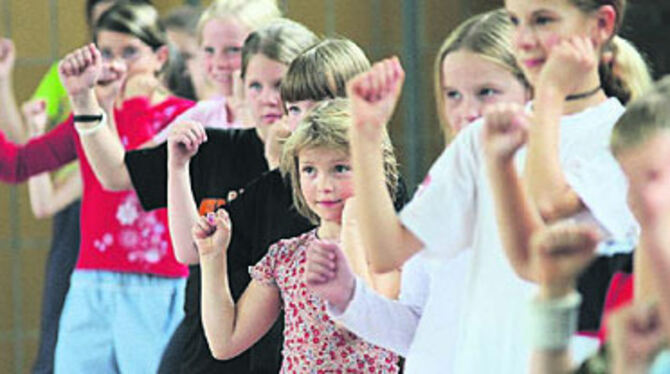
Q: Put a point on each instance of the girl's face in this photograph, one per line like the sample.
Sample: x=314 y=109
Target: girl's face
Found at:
x=326 y=181
x=470 y=83
x=261 y=90
x=221 y=50
x=138 y=57
x=647 y=167
x=296 y=111
x=539 y=25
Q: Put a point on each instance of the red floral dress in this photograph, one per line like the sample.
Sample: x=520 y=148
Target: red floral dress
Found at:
x=313 y=343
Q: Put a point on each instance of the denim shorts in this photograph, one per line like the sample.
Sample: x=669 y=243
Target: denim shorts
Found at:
x=117 y=322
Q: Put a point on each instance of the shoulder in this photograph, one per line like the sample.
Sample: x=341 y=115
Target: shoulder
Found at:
x=287 y=248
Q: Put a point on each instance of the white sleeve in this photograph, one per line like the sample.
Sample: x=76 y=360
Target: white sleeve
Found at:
x=442 y=213
x=602 y=187
x=387 y=323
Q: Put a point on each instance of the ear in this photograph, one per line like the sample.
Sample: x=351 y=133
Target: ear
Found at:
x=606 y=18
x=162 y=55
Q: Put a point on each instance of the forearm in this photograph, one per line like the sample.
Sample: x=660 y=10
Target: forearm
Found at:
x=182 y=214
x=543 y=174
x=103 y=148
x=551 y=362
x=218 y=307
x=10 y=117
x=518 y=218
x=48 y=198
x=387 y=242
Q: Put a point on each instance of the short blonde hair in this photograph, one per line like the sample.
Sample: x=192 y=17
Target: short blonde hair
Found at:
x=322 y=71
x=487 y=35
x=643 y=118
x=252 y=13
x=327 y=126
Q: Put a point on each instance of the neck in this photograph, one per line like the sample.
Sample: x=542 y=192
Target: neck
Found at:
x=329 y=230
x=643 y=280
x=580 y=104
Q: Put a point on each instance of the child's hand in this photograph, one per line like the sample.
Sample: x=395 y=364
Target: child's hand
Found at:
x=184 y=139
x=7 y=58
x=35 y=113
x=568 y=64
x=110 y=83
x=559 y=253
x=237 y=103
x=505 y=130
x=373 y=96
x=328 y=274
x=636 y=335
x=212 y=233
x=277 y=134
x=80 y=70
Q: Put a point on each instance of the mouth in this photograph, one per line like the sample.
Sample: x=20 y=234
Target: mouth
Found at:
x=271 y=118
x=533 y=62
x=329 y=203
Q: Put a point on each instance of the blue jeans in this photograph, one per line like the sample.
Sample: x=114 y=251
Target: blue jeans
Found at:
x=117 y=322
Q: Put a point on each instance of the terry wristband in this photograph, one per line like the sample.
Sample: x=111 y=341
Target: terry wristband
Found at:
x=553 y=322
x=101 y=118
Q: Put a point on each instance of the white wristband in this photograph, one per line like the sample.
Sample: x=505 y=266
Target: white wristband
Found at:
x=553 y=322
x=91 y=130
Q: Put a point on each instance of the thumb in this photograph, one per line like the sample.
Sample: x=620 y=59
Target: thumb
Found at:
x=222 y=220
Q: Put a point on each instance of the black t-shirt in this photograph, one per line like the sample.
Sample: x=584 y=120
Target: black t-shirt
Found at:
x=226 y=162
x=593 y=285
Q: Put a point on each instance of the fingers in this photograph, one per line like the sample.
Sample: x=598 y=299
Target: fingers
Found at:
x=321 y=264
x=190 y=134
x=222 y=220
x=203 y=227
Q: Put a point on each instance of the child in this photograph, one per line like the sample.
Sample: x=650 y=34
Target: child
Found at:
x=126 y=258
x=316 y=156
x=221 y=32
x=465 y=220
x=640 y=142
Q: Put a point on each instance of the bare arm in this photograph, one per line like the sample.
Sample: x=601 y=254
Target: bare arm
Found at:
x=47 y=199
x=518 y=219
x=387 y=241
x=571 y=63
x=10 y=118
x=230 y=328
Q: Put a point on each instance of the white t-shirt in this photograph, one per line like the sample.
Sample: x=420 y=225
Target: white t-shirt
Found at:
x=454 y=212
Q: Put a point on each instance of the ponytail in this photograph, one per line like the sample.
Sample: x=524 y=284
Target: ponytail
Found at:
x=624 y=73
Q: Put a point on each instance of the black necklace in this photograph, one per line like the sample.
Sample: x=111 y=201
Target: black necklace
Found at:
x=583 y=95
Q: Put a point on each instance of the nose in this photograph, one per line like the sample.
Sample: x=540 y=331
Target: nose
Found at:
x=524 y=37
x=471 y=110
x=223 y=62
x=271 y=96
x=324 y=183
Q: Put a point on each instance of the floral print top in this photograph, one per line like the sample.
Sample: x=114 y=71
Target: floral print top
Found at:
x=313 y=343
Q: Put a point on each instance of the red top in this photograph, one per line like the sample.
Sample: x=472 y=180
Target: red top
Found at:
x=619 y=293
x=116 y=234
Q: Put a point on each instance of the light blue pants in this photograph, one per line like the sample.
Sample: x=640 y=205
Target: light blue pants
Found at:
x=117 y=322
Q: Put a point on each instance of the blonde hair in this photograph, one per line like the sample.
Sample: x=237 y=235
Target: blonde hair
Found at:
x=327 y=126
x=620 y=82
x=252 y=13
x=322 y=71
x=487 y=35
x=643 y=118
x=282 y=40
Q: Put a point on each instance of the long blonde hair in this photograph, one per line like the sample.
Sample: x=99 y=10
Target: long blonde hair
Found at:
x=252 y=13
x=487 y=35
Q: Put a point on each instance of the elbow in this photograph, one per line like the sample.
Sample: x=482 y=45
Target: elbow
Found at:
x=115 y=183
x=222 y=352
x=42 y=213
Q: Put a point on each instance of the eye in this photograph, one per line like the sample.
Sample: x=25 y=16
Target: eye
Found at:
x=187 y=55
x=209 y=50
x=514 y=20
x=277 y=85
x=542 y=20
x=232 y=50
x=106 y=54
x=487 y=92
x=129 y=52
x=308 y=170
x=293 y=110
x=342 y=168
x=255 y=86
x=453 y=95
